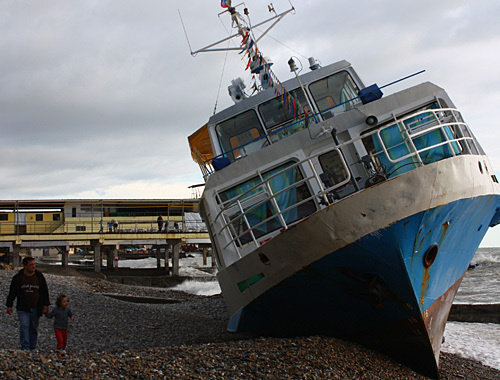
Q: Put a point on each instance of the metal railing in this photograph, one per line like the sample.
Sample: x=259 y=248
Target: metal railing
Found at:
x=290 y=127
x=93 y=227
x=233 y=216
x=446 y=120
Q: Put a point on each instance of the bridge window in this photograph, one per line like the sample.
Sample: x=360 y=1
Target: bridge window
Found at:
x=282 y=116
x=335 y=90
x=238 y=131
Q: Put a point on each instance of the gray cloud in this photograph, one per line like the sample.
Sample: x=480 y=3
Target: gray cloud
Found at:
x=98 y=98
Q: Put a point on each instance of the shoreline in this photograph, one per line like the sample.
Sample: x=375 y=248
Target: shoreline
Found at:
x=185 y=338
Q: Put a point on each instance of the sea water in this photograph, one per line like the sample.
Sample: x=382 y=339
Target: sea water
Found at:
x=481 y=284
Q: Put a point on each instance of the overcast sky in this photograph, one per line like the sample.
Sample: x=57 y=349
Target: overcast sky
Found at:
x=97 y=98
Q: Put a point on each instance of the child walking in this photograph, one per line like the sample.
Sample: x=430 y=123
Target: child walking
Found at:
x=61 y=313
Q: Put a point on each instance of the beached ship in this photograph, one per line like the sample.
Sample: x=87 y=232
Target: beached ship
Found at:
x=334 y=209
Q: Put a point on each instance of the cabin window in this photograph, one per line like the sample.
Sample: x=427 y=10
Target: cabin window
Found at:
x=334 y=168
x=4 y=217
x=284 y=116
x=56 y=217
x=39 y=217
x=241 y=135
x=260 y=212
x=334 y=90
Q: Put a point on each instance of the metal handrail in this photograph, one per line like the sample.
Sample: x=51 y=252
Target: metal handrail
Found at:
x=272 y=198
x=207 y=168
x=233 y=238
x=69 y=227
x=421 y=132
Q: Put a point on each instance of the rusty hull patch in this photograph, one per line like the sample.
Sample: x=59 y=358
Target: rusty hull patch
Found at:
x=436 y=315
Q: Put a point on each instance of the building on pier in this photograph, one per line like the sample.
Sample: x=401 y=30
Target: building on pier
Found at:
x=100 y=226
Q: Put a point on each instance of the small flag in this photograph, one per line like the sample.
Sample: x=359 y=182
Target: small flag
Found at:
x=245 y=38
x=223 y=4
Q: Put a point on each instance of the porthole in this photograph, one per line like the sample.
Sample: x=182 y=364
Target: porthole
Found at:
x=430 y=255
x=480 y=167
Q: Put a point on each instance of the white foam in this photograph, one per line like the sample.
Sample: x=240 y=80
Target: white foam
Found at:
x=190 y=267
x=478 y=341
x=147 y=262
x=201 y=288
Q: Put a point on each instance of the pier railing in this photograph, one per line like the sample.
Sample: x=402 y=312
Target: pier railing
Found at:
x=92 y=227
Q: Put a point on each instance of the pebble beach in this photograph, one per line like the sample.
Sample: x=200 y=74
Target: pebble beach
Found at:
x=182 y=336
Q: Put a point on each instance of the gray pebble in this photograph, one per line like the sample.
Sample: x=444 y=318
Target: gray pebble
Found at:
x=116 y=339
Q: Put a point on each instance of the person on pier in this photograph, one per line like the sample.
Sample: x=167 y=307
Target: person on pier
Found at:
x=160 y=223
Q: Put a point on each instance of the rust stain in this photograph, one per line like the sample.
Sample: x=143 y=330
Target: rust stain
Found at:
x=416 y=240
x=406 y=223
x=425 y=283
x=445 y=229
x=422 y=241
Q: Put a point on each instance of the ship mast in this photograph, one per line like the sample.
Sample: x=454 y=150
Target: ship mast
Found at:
x=256 y=61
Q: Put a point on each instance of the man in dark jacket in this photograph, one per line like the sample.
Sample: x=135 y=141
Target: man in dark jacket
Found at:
x=30 y=288
x=160 y=223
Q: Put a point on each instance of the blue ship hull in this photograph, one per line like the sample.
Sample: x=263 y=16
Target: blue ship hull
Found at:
x=376 y=290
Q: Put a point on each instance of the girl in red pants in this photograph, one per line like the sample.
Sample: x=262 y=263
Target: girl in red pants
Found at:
x=61 y=313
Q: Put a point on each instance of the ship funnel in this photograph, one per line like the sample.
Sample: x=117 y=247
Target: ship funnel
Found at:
x=236 y=90
x=313 y=64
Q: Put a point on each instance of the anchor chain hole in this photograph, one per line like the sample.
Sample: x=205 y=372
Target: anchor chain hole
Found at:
x=430 y=255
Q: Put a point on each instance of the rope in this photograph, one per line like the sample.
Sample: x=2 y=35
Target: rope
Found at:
x=223 y=67
x=281 y=43
x=220 y=82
